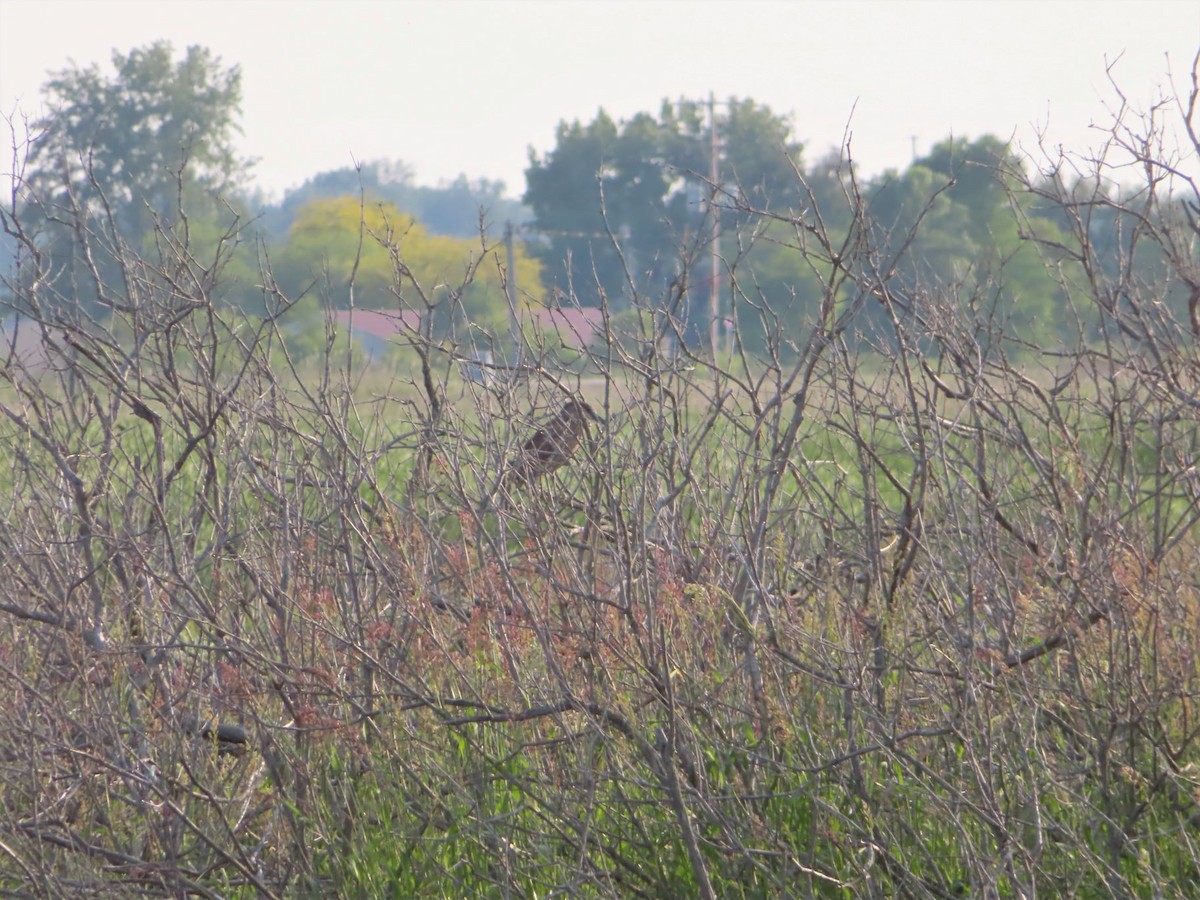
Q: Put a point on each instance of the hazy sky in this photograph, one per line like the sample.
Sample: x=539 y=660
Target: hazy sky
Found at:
x=463 y=86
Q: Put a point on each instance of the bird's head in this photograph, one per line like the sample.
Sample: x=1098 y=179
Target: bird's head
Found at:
x=581 y=409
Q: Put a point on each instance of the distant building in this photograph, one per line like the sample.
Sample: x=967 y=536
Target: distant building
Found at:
x=21 y=344
x=375 y=329
x=573 y=327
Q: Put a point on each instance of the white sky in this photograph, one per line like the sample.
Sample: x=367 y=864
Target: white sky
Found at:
x=464 y=86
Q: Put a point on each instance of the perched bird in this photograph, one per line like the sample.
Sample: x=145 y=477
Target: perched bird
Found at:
x=553 y=444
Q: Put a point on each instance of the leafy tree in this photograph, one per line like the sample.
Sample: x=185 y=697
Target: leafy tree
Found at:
x=335 y=238
x=641 y=182
x=137 y=134
x=778 y=292
x=976 y=172
x=943 y=246
x=1101 y=210
x=116 y=152
x=957 y=189
x=565 y=190
x=969 y=235
x=1034 y=304
x=759 y=157
x=778 y=283
x=323 y=247
x=451 y=208
x=830 y=194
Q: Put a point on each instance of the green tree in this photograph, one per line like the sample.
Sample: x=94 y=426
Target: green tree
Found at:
x=829 y=193
x=642 y=182
x=956 y=190
x=759 y=157
x=1035 y=306
x=950 y=220
x=943 y=247
x=565 y=190
x=120 y=154
x=777 y=292
x=138 y=133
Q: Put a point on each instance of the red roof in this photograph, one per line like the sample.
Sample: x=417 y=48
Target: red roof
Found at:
x=572 y=326
x=22 y=343
x=378 y=323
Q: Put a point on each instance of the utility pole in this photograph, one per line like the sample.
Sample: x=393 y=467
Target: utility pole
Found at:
x=714 y=289
x=510 y=291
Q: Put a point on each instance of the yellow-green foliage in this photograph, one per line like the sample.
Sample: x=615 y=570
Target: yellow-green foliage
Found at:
x=334 y=239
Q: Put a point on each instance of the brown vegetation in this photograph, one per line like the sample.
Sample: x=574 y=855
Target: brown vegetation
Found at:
x=904 y=608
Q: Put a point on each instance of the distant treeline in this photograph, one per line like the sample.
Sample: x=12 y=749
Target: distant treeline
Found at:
x=615 y=213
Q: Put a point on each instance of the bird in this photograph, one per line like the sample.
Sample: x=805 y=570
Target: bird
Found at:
x=552 y=446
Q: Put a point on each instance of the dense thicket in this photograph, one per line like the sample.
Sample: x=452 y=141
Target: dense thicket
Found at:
x=905 y=603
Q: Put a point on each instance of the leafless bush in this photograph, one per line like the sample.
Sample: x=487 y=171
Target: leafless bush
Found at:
x=904 y=607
